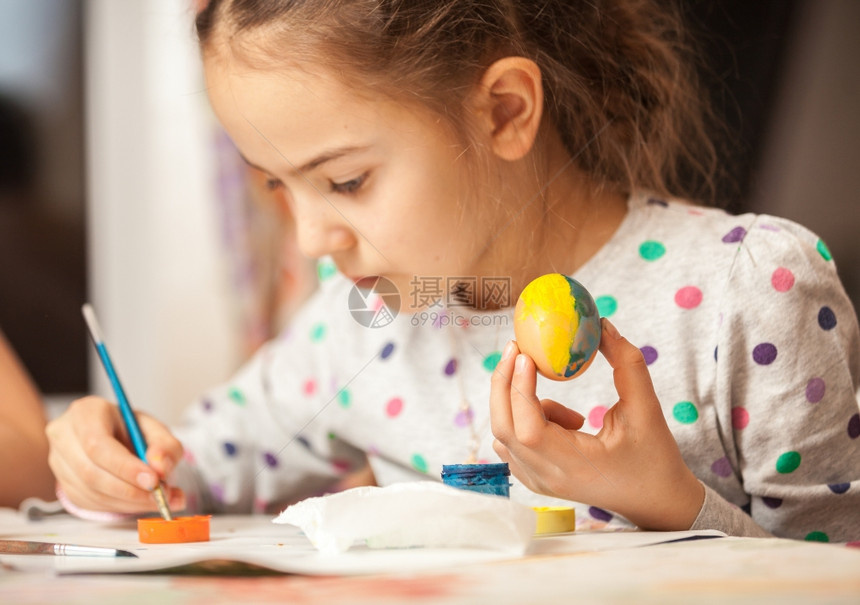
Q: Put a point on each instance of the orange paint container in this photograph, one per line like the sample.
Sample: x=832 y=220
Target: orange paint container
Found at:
x=182 y=529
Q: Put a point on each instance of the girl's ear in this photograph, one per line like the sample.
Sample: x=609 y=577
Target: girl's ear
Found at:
x=509 y=105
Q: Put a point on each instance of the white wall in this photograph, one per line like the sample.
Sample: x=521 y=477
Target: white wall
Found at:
x=158 y=279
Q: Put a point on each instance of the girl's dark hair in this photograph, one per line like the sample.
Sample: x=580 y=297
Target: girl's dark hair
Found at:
x=618 y=82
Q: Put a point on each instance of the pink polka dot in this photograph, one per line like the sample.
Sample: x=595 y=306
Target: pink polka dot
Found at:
x=340 y=465
x=595 y=416
x=688 y=297
x=782 y=280
x=394 y=407
x=740 y=418
x=310 y=386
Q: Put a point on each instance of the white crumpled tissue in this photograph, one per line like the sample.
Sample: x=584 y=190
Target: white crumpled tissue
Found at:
x=415 y=514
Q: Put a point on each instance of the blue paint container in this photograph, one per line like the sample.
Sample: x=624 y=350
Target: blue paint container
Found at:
x=481 y=478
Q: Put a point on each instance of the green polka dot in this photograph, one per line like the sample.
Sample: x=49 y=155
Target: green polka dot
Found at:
x=817 y=536
x=332 y=436
x=685 y=412
x=823 y=250
x=606 y=305
x=344 y=398
x=651 y=250
x=326 y=270
x=236 y=396
x=492 y=360
x=788 y=462
x=418 y=463
x=318 y=332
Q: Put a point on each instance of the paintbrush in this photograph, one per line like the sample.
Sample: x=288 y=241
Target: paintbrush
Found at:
x=26 y=547
x=128 y=417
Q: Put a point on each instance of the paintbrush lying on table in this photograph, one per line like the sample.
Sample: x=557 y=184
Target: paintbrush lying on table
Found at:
x=24 y=547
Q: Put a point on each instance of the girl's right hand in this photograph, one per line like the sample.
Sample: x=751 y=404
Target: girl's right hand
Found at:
x=94 y=464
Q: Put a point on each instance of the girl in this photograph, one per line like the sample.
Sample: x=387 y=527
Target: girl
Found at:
x=459 y=149
x=24 y=468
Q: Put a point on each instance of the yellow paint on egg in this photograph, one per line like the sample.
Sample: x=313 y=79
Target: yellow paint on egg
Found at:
x=550 y=303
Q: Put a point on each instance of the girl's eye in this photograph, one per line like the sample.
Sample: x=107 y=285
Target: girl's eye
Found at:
x=273 y=184
x=350 y=186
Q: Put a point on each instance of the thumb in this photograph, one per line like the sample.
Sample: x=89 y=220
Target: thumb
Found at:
x=164 y=451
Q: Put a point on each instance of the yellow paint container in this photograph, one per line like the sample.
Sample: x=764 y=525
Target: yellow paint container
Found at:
x=555 y=519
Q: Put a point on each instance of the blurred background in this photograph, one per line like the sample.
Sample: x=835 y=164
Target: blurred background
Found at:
x=118 y=187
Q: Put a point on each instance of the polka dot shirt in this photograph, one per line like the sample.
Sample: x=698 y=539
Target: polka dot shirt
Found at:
x=750 y=339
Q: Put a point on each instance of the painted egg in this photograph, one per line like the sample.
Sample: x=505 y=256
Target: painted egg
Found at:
x=556 y=324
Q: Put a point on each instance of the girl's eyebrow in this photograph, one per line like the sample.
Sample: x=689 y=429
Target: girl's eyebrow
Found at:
x=316 y=162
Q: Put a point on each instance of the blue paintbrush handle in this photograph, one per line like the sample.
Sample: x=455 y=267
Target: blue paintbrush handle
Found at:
x=128 y=416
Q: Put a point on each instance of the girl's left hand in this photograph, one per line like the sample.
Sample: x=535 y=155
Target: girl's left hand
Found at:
x=632 y=466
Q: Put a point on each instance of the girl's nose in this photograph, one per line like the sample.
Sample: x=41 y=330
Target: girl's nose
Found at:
x=321 y=232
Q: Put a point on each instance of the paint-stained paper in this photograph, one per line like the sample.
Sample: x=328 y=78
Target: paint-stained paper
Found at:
x=410 y=515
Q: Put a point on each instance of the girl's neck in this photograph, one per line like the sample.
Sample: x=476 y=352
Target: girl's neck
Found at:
x=562 y=229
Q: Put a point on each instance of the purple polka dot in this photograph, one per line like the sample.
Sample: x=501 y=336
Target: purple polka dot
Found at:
x=650 y=354
x=657 y=202
x=764 y=354
x=207 y=405
x=715 y=353
x=217 y=491
x=735 y=235
x=839 y=488
x=387 y=350
x=826 y=318
x=270 y=459
x=450 y=367
x=230 y=449
x=600 y=514
x=304 y=441
x=854 y=426
x=463 y=417
x=815 y=390
x=772 y=502
x=722 y=467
